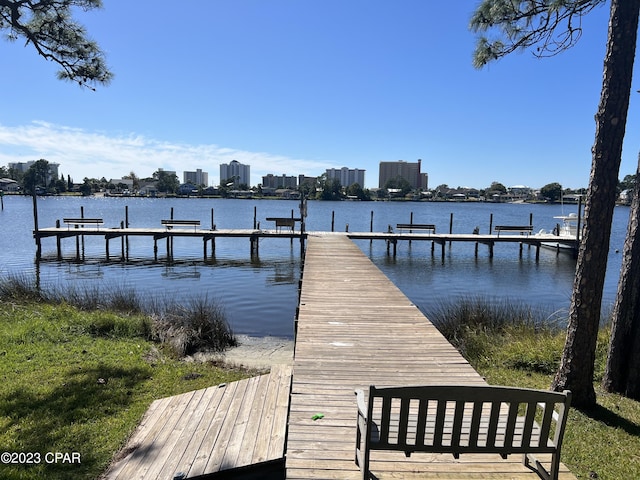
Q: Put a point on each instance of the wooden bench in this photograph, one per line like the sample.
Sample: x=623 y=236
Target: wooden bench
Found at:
x=416 y=226
x=180 y=223
x=288 y=222
x=463 y=419
x=78 y=222
x=514 y=228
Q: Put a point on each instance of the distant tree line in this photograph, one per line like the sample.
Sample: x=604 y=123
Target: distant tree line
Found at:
x=39 y=175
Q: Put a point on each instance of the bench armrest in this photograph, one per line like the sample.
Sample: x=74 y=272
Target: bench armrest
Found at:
x=362 y=406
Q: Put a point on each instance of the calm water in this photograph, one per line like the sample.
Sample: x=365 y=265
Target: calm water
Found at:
x=259 y=295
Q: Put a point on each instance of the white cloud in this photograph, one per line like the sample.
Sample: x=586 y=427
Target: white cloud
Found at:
x=82 y=153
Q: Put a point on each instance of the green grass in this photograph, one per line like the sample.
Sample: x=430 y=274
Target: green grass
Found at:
x=79 y=381
x=512 y=346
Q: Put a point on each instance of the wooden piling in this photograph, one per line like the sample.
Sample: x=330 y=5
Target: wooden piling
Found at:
x=126 y=225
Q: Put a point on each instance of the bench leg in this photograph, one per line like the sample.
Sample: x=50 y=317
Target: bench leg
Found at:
x=531 y=462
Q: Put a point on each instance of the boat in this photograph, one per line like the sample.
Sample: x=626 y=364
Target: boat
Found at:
x=567 y=228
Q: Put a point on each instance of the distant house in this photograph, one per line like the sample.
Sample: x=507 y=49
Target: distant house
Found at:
x=123 y=185
x=288 y=194
x=149 y=189
x=187 y=189
x=9 y=185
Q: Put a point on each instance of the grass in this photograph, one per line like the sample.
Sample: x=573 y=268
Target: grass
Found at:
x=514 y=345
x=78 y=378
x=78 y=381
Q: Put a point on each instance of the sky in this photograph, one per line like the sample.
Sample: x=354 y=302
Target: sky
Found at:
x=298 y=86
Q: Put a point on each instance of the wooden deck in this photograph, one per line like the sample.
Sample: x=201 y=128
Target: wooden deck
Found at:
x=209 y=236
x=222 y=430
x=355 y=328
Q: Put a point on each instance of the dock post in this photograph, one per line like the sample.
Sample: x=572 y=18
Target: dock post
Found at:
x=490 y=223
x=106 y=247
x=204 y=247
x=255 y=213
x=371 y=228
x=155 y=249
x=213 y=225
x=450 y=226
x=36 y=231
x=82 y=216
x=122 y=243
x=59 y=247
x=410 y=223
x=126 y=225
x=333 y=219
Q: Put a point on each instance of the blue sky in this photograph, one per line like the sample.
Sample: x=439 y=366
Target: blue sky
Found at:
x=298 y=86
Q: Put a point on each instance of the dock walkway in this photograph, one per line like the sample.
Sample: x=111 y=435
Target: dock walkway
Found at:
x=232 y=429
x=355 y=328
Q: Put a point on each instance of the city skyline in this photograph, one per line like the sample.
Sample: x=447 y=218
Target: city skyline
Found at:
x=388 y=170
x=310 y=86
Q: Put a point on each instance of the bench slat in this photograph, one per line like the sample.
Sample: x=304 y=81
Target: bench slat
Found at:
x=80 y=221
x=514 y=228
x=416 y=226
x=180 y=223
x=462 y=419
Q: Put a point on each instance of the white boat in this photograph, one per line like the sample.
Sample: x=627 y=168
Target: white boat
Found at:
x=566 y=228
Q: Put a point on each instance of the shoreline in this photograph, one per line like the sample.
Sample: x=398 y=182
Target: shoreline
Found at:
x=255 y=353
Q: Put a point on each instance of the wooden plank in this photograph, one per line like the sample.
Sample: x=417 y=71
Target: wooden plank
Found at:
x=355 y=328
x=210 y=430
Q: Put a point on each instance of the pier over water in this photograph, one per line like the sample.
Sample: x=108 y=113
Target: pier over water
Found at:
x=354 y=328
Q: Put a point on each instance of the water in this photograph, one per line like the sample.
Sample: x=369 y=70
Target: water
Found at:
x=259 y=295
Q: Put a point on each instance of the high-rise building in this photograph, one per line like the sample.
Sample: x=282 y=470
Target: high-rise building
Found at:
x=346 y=176
x=197 y=178
x=236 y=173
x=406 y=170
x=22 y=167
x=279 y=181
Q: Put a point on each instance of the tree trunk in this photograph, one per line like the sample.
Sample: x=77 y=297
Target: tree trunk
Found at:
x=577 y=364
x=622 y=374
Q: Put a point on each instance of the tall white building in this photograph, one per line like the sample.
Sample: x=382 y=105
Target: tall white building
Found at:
x=197 y=178
x=236 y=172
x=22 y=167
x=347 y=176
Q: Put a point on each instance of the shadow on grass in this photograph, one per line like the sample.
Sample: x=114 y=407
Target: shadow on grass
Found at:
x=71 y=417
x=612 y=419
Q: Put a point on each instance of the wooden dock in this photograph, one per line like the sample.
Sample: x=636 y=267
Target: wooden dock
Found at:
x=355 y=328
x=442 y=239
x=233 y=429
x=208 y=238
